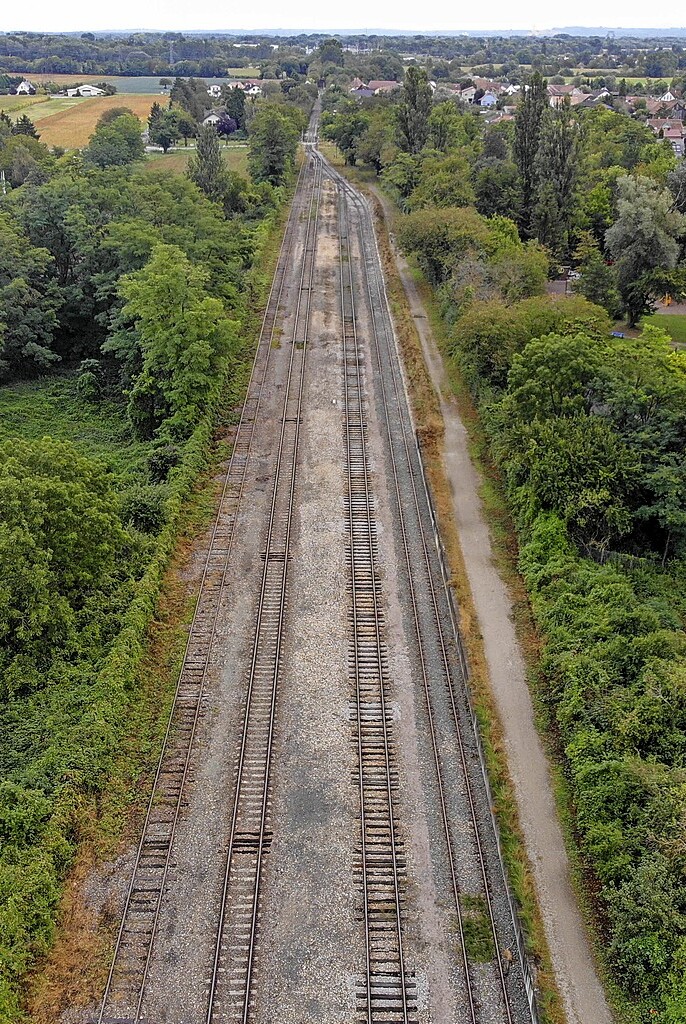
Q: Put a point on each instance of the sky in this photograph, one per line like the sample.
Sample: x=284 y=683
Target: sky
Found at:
x=313 y=15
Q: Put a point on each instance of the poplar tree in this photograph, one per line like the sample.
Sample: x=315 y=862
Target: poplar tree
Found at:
x=414 y=110
x=528 y=120
x=207 y=168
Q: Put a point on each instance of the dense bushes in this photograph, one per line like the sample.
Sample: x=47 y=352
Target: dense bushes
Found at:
x=590 y=433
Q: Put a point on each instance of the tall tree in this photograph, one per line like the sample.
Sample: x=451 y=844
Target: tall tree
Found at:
x=273 y=141
x=116 y=142
x=528 y=121
x=206 y=168
x=234 y=104
x=557 y=171
x=414 y=110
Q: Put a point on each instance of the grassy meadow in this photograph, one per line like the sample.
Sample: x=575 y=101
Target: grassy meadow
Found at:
x=175 y=162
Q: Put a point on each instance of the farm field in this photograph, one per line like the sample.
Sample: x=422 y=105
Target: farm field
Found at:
x=18 y=104
x=71 y=126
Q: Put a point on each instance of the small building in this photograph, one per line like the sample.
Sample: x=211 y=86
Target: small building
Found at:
x=675 y=137
x=467 y=94
x=213 y=118
x=488 y=100
x=85 y=90
x=214 y=91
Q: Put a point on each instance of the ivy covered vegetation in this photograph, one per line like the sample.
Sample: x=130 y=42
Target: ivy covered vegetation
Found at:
x=589 y=432
x=126 y=311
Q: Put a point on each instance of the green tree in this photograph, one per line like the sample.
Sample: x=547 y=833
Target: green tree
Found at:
x=59 y=540
x=207 y=168
x=116 y=142
x=330 y=51
x=642 y=240
x=165 y=132
x=234 y=104
x=273 y=143
x=557 y=171
x=528 y=124
x=443 y=182
x=414 y=110
x=25 y=126
x=184 y=338
x=27 y=304
x=597 y=280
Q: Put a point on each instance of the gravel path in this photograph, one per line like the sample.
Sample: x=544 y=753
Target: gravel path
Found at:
x=581 y=990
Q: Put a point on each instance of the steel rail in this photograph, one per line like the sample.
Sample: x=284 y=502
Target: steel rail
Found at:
x=381 y=304
x=263 y=350
x=348 y=288
x=310 y=244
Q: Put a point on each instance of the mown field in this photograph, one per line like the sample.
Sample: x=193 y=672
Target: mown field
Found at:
x=18 y=104
x=673 y=324
x=175 y=162
x=70 y=123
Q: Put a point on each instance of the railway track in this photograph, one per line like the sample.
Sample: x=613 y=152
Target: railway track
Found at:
x=230 y=983
x=387 y=991
x=442 y=673
x=126 y=982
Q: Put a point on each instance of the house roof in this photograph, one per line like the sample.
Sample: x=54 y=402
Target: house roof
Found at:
x=382 y=85
x=560 y=90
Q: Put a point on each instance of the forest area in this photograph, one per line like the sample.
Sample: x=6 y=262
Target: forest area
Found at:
x=583 y=403
x=129 y=298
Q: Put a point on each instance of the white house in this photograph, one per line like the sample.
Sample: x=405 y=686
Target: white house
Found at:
x=214 y=91
x=86 y=90
x=488 y=100
x=25 y=89
x=667 y=97
x=254 y=90
x=212 y=118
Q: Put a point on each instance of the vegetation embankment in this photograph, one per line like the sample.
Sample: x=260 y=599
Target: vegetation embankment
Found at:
x=588 y=432
x=127 y=316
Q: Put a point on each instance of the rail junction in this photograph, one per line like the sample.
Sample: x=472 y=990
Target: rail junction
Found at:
x=318 y=844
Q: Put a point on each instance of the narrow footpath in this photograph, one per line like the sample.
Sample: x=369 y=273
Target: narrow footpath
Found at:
x=582 y=993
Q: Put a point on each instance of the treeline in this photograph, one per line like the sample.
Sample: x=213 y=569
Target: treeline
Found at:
x=142 y=288
x=173 y=53
x=589 y=433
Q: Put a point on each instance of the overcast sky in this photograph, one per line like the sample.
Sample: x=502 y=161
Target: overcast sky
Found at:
x=84 y=15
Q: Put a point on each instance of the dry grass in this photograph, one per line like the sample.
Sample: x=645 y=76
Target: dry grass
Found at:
x=71 y=128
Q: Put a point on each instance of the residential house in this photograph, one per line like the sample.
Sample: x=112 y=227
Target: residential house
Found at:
x=25 y=89
x=557 y=94
x=468 y=94
x=675 y=137
x=379 y=86
x=488 y=86
x=488 y=100
x=214 y=117
x=214 y=91
x=667 y=97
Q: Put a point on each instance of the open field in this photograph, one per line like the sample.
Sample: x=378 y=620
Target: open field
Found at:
x=18 y=104
x=175 y=162
x=673 y=324
x=71 y=126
